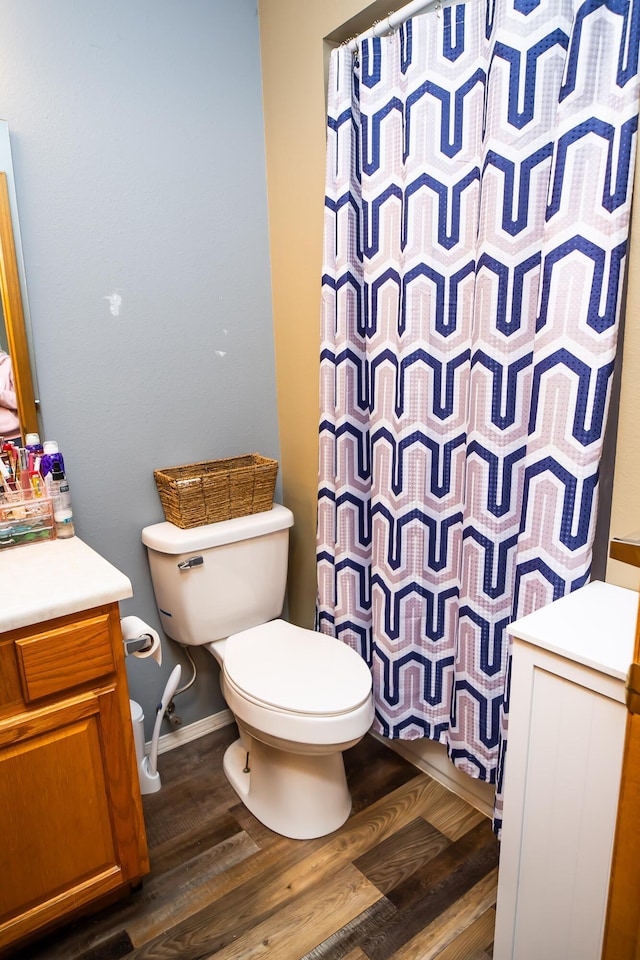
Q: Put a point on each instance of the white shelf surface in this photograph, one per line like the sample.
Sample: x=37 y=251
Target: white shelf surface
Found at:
x=594 y=626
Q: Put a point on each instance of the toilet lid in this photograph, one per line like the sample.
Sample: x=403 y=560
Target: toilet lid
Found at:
x=296 y=670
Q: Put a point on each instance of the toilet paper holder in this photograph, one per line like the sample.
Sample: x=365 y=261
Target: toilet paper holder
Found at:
x=138 y=644
x=139 y=639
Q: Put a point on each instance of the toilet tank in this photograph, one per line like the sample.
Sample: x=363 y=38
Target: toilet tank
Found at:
x=215 y=580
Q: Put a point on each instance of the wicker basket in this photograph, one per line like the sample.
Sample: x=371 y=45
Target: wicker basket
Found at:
x=214 y=490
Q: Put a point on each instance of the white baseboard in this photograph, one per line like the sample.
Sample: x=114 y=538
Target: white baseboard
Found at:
x=431 y=758
x=427 y=756
x=169 y=741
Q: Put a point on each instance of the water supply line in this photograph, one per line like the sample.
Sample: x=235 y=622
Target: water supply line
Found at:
x=172 y=716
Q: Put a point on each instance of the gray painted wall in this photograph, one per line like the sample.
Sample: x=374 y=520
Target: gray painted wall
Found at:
x=137 y=139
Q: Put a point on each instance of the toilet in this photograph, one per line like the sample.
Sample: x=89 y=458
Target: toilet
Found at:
x=299 y=698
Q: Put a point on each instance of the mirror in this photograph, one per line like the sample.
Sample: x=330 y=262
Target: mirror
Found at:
x=14 y=337
x=13 y=314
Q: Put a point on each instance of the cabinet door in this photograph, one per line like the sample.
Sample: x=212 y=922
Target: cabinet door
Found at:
x=64 y=797
x=566 y=731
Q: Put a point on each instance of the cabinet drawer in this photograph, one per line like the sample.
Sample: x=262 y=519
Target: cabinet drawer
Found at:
x=64 y=657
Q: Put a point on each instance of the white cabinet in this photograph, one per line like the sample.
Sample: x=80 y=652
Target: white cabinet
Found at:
x=564 y=755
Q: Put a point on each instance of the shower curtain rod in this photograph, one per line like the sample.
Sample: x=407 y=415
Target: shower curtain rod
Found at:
x=394 y=20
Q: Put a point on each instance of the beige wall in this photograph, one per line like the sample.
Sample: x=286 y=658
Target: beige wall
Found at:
x=293 y=67
x=625 y=509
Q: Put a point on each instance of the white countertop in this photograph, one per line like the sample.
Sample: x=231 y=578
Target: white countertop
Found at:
x=594 y=626
x=53 y=578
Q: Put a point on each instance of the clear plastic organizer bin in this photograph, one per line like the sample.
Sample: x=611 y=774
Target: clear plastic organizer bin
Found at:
x=25 y=518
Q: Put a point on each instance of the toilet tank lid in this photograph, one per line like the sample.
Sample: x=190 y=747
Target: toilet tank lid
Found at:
x=168 y=538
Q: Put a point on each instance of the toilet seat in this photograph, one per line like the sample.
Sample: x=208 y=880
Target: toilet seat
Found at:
x=315 y=676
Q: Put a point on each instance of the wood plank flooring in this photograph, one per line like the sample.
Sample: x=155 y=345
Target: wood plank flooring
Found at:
x=410 y=876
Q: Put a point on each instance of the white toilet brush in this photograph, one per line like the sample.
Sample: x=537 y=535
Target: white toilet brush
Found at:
x=148 y=768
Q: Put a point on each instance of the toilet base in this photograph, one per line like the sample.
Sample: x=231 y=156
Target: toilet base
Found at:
x=296 y=795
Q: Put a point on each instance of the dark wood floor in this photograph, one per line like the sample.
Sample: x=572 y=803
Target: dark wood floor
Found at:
x=410 y=876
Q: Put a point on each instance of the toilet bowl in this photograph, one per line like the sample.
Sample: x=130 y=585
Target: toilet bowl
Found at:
x=299 y=698
x=294 y=723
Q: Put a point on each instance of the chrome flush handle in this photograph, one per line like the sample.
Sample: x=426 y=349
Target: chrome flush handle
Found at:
x=190 y=563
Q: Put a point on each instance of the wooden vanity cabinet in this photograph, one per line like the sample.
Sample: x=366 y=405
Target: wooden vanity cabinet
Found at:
x=72 y=827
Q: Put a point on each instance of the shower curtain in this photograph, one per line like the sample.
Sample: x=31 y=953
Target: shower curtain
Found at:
x=479 y=172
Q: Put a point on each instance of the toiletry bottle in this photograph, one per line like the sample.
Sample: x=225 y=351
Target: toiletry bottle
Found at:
x=50 y=448
x=51 y=455
x=62 y=512
x=32 y=443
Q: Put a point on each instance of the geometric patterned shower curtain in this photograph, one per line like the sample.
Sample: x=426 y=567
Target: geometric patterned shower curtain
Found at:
x=479 y=171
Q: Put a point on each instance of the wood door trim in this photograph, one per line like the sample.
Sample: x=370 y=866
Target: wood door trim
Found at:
x=622 y=926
